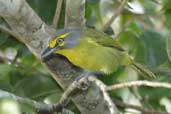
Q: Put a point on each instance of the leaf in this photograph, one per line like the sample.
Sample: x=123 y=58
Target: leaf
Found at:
x=134 y=45
x=44 y=8
x=5 y=86
x=167 y=14
x=93 y=15
x=150 y=7
x=155 y=46
x=35 y=86
x=154 y=93
x=5 y=69
x=3 y=37
x=7 y=76
x=166 y=4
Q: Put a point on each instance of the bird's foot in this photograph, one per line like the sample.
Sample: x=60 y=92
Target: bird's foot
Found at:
x=83 y=83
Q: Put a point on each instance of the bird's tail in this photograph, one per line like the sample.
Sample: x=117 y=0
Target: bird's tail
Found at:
x=143 y=70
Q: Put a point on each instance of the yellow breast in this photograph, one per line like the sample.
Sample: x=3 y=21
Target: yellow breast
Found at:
x=72 y=55
x=88 y=58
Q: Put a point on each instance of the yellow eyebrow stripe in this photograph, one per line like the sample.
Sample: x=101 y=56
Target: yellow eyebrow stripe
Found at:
x=52 y=43
x=63 y=35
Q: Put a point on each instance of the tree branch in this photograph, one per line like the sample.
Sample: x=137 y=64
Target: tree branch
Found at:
x=102 y=86
x=57 y=13
x=114 y=16
x=35 y=104
x=74 y=86
x=66 y=95
x=138 y=83
x=40 y=107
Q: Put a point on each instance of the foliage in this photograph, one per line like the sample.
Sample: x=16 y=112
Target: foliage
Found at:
x=143 y=29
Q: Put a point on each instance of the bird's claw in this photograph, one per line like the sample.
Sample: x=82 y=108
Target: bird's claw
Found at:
x=83 y=83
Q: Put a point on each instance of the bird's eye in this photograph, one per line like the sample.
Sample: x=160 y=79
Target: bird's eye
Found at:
x=60 y=41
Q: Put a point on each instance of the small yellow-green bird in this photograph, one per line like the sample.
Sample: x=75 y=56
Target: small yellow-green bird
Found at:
x=91 y=50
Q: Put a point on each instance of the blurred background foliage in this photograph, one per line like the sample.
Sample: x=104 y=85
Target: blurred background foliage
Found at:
x=143 y=29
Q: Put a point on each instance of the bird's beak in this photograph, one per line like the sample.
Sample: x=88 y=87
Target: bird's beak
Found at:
x=48 y=51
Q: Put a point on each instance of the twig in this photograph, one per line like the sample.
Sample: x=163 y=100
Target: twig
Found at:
x=57 y=13
x=40 y=107
x=143 y=110
x=74 y=86
x=67 y=94
x=102 y=86
x=33 y=103
x=116 y=13
x=139 y=83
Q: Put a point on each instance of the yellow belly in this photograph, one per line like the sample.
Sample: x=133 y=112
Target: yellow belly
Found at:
x=93 y=58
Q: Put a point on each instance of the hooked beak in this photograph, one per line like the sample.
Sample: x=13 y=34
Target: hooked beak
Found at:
x=48 y=51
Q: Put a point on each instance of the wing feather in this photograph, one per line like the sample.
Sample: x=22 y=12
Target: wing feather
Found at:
x=101 y=38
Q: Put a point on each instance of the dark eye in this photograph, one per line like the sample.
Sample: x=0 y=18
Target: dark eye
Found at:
x=60 y=40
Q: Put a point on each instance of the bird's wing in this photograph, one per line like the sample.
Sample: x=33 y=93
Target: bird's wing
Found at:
x=102 y=39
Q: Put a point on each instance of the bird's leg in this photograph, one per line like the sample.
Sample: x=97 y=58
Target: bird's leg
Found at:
x=87 y=74
x=82 y=80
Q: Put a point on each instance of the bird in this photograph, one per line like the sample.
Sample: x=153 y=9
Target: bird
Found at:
x=91 y=50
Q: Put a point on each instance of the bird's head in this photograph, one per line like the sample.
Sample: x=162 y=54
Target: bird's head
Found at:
x=65 y=38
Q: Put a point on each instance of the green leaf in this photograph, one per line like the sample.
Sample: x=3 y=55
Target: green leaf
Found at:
x=35 y=86
x=166 y=4
x=93 y=14
x=5 y=86
x=150 y=7
x=53 y=98
x=3 y=37
x=154 y=93
x=155 y=46
x=167 y=14
x=45 y=8
x=134 y=45
x=5 y=69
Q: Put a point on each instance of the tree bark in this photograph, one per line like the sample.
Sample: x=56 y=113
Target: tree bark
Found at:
x=34 y=33
x=75 y=13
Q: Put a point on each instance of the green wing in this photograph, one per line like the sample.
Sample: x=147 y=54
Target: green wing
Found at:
x=102 y=39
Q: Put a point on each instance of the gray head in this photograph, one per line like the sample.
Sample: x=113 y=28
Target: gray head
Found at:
x=64 y=38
